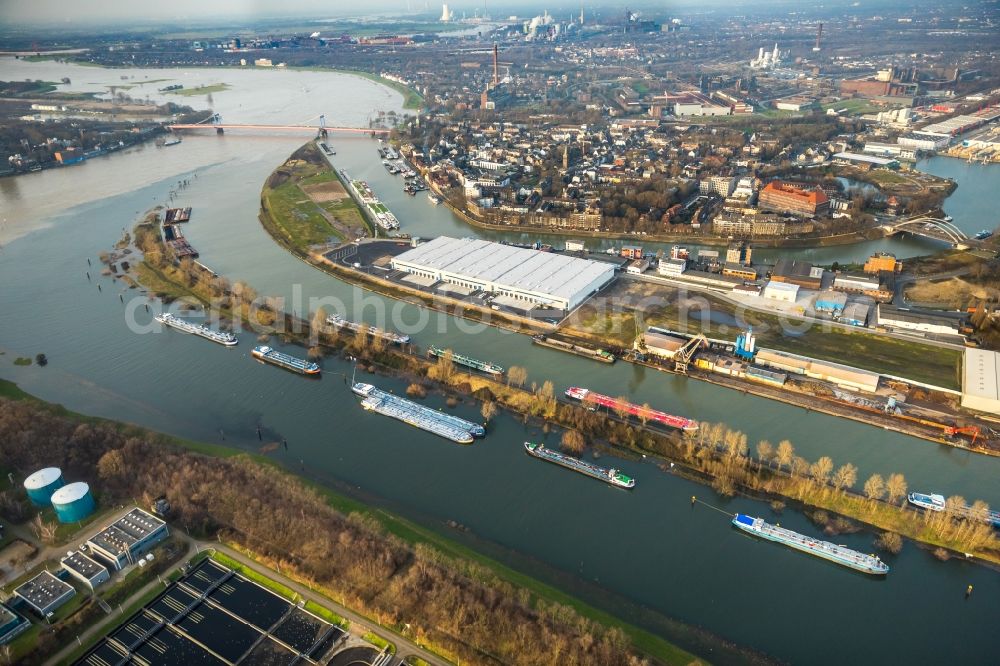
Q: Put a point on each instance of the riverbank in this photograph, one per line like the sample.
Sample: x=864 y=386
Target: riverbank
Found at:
x=379 y=530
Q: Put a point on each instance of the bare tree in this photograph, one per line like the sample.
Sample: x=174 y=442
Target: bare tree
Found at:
x=573 y=441
x=821 y=469
x=488 y=410
x=785 y=453
x=845 y=477
x=895 y=488
x=874 y=488
x=764 y=452
x=620 y=407
x=43 y=529
x=516 y=376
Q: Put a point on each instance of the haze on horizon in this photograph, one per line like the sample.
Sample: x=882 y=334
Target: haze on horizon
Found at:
x=116 y=11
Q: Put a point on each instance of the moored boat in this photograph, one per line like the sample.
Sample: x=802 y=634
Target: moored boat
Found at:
x=282 y=360
x=936 y=502
x=222 y=337
x=444 y=425
x=608 y=475
x=842 y=555
x=469 y=362
x=341 y=322
x=591 y=399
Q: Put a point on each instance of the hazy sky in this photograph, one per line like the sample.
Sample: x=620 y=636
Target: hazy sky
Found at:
x=20 y=11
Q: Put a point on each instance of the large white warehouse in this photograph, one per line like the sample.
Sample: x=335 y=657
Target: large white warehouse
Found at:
x=529 y=277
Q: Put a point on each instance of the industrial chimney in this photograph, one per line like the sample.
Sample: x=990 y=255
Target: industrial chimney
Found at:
x=496 y=65
x=819 y=36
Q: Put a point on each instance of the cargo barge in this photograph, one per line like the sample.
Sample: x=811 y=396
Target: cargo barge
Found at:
x=593 y=400
x=612 y=476
x=275 y=357
x=475 y=364
x=444 y=425
x=935 y=502
x=356 y=328
x=366 y=198
x=842 y=555
x=222 y=337
x=596 y=354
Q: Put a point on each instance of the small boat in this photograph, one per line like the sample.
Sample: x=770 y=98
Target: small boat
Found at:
x=983 y=234
x=434 y=199
x=936 y=502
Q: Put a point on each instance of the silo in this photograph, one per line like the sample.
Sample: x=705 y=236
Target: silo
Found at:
x=73 y=502
x=42 y=484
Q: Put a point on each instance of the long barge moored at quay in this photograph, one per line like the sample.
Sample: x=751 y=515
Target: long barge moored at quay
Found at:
x=468 y=361
x=935 y=502
x=601 y=355
x=591 y=399
x=612 y=476
x=222 y=337
x=842 y=555
x=286 y=361
x=356 y=328
x=444 y=425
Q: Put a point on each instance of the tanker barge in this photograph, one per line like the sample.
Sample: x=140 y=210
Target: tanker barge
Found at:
x=469 y=362
x=222 y=337
x=275 y=357
x=842 y=555
x=612 y=476
x=444 y=425
x=593 y=400
x=356 y=328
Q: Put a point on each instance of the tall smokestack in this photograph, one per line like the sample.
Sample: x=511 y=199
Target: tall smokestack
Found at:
x=819 y=36
x=496 y=65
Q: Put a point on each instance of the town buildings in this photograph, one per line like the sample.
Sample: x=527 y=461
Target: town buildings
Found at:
x=794 y=198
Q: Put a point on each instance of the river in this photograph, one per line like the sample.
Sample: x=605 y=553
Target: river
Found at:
x=644 y=554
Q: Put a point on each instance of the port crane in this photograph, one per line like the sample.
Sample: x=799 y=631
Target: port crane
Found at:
x=683 y=356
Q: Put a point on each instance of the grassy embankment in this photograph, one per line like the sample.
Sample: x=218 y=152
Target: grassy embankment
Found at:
x=603 y=323
x=289 y=214
x=402 y=528
x=201 y=90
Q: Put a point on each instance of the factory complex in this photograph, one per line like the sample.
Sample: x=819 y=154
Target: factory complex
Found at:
x=517 y=277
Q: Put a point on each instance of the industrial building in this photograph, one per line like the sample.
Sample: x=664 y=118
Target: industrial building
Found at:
x=793 y=198
x=915 y=320
x=831 y=301
x=517 y=276
x=658 y=343
x=842 y=375
x=84 y=569
x=42 y=484
x=866 y=161
x=781 y=291
x=855 y=283
x=45 y=593
x=672 y=267
x=12 y=624
x=123 y=541
x=855 y=314
x=797 y=272
x=981 y=380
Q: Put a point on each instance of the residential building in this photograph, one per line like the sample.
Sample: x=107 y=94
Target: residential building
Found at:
x=794 y=198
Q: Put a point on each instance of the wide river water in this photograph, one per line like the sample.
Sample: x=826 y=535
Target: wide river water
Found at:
x=643 y=554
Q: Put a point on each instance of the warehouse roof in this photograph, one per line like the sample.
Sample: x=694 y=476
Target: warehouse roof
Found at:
x=82 y=565
x=128 y=530
x=43 y=590
x=980 y=374
x=523 y=269
x=892 y=313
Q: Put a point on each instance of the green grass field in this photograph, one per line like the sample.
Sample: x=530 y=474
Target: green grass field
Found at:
x=201 y=90
x=296 y=217
x=852 y=107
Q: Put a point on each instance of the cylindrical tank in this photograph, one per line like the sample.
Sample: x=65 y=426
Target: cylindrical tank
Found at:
x=73 y=502
x=42 y=484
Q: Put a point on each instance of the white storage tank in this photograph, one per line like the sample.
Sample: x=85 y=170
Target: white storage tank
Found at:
x=42 y=484
x=73 y=502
